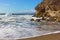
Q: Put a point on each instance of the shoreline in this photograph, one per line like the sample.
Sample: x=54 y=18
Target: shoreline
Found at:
x=49 y=36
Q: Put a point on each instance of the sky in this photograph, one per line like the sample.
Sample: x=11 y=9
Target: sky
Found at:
x=8 y=6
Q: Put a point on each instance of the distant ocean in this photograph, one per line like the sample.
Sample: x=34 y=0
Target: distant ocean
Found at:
x=20 y=26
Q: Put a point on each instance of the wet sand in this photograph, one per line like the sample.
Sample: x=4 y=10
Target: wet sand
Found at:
x=45 y=37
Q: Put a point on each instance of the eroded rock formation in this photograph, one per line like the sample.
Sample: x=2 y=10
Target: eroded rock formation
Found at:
x=48 y=9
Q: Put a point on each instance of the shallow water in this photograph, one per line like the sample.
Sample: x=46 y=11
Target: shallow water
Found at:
x=21 y=26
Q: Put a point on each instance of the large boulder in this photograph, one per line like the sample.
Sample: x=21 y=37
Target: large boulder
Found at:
x=48 y=8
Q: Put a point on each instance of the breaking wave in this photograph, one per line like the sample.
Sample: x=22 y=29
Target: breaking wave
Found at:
x=19 y=27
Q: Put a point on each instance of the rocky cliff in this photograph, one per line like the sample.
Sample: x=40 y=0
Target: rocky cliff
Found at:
x=48 y=9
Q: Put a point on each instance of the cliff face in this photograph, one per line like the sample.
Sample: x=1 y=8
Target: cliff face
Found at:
x=48 y=8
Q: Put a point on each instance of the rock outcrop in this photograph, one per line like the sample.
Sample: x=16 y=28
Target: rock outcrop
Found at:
x=48 y=9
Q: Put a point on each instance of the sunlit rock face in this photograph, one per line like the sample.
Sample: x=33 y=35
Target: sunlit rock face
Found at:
x=48 y=8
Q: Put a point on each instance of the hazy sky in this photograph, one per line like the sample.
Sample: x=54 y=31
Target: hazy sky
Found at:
x=18 y=5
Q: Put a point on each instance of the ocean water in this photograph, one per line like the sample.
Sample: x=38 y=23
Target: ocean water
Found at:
x=20 y=26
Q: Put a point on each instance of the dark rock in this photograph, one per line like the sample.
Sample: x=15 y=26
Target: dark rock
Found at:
x=38 y=20
x=32 y=20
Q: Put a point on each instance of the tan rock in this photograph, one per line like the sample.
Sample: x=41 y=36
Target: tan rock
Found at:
x=48 y=8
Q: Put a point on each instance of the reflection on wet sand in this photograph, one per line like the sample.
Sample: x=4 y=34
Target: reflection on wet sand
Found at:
x=48 y=26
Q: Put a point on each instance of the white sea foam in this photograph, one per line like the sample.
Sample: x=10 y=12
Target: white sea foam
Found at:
x=19 y=27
